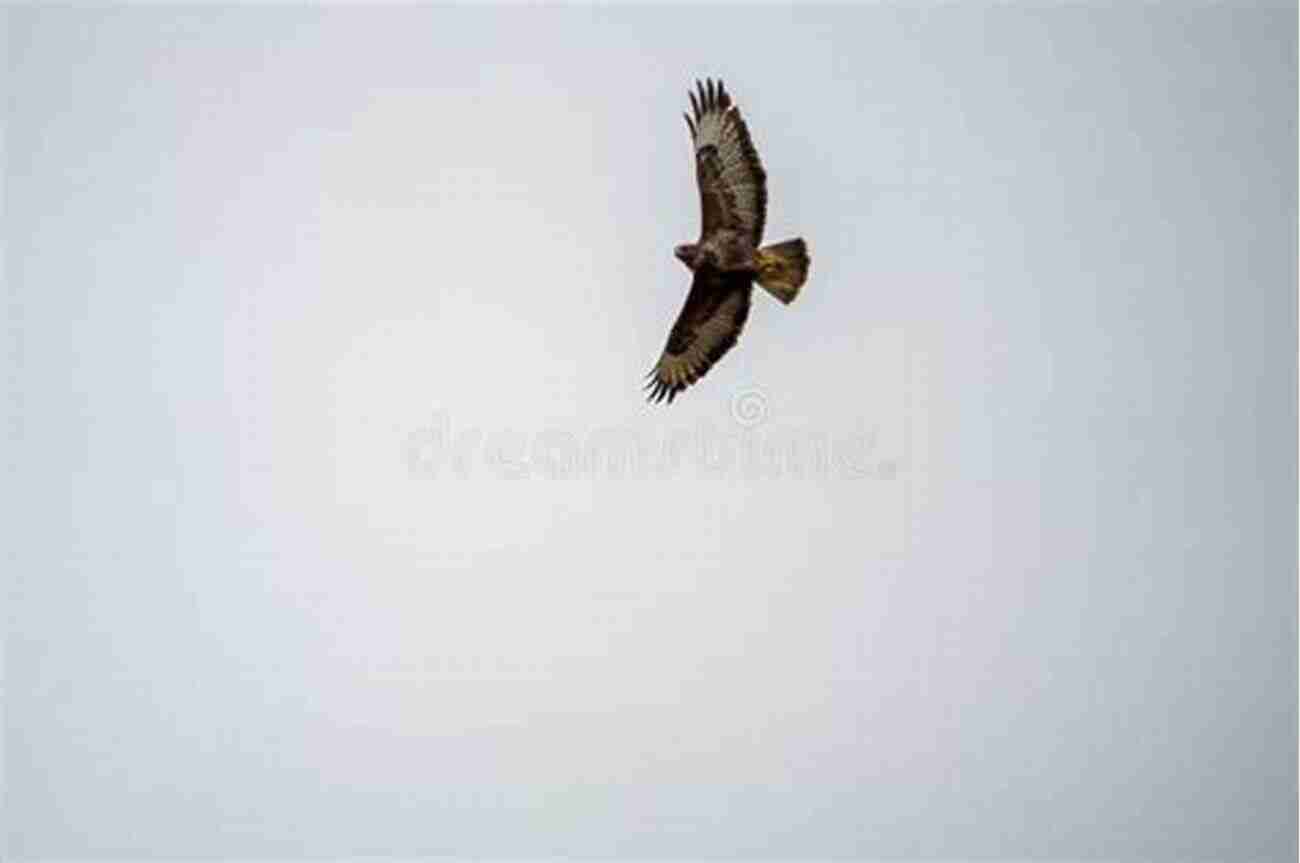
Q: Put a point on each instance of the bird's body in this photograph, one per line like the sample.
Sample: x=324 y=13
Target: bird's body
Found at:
x=727 y=260
x=726 y=249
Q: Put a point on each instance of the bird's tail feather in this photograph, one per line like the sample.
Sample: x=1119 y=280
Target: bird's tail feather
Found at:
x=783 y=268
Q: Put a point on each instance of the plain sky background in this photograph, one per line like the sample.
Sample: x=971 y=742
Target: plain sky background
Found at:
x=264 y=267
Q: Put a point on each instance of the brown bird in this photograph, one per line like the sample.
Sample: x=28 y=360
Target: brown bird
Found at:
x=727 y=260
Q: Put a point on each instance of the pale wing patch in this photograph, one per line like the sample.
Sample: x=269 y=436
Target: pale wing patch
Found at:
x=733 y=184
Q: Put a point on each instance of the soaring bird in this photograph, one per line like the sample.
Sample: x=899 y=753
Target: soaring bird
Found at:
x=727 y=260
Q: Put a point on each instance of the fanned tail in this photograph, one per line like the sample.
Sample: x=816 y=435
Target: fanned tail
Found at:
x=783 y=268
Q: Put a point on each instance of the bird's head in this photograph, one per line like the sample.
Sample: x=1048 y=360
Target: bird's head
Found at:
x=687 y=254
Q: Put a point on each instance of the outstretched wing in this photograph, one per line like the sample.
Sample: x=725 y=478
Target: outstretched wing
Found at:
x=733 y=185
x=709 y=324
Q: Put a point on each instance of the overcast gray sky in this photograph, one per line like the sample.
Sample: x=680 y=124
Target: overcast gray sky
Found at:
x=342 y=528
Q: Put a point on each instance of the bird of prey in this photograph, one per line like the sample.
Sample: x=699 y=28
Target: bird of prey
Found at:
x=727 y=260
